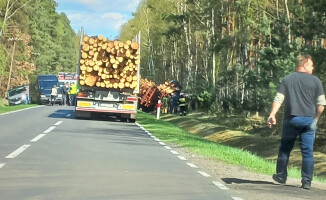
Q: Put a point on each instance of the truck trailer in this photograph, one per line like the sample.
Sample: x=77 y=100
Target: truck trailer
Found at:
x=108 y=78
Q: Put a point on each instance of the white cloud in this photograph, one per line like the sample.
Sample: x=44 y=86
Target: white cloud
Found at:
x=98 y=16
x=76 y=16
x=90 y=2
x=112 y=15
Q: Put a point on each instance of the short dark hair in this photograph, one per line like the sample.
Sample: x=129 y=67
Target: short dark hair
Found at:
x=302 y=58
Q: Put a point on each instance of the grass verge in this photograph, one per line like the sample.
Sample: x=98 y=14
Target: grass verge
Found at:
x=4 y=109
x=169 y=133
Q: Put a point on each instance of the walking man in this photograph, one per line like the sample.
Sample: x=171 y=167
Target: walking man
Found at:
x=304 y=100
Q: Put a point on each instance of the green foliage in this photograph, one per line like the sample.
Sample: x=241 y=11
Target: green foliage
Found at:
x=52 y=37
x=206 y=102
x=239 y=51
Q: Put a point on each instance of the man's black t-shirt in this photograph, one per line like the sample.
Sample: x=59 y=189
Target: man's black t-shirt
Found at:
x=301 y=91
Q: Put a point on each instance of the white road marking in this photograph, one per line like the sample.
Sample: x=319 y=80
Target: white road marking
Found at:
x=162 y=143
x=174 y=152
x=167 y=147
x=149 y=134
x=137 y=124
x=2 y=164
x=68 y=115
x=220 y=185
x=204 y=174
x=237 y=198
x=192 y=165
x=182 y=158
x=37 y=137
x=152 y=136
x=7 y=113
x=58 y=123
x=18 y=151
x=49 y=129
x=157 y=140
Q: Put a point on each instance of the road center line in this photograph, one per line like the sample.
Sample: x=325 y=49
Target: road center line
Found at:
x=58 y=123
x=192 y=165
x=18 y=151
x=2 y=164
x=37 y=137
x=220 y=185
x=204 y=174
x=182 y=158
x=49 y=129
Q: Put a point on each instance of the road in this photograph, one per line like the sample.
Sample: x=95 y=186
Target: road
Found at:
x=46 y=154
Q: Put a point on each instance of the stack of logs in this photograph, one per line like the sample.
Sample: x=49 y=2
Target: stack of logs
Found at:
x=167 y=88
x=109 y=64
x=149 y=93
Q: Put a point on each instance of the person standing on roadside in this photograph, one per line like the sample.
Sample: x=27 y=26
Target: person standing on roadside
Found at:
x=304 y=100
x=64 y=93
x=54 y=93
x=73 y=93
x=175 y=102
x=67 y=95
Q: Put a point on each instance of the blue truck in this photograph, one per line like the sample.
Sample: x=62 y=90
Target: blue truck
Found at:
x=40 y=88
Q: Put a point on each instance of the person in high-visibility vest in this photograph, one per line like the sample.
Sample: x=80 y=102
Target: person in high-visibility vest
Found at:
x=182 y=105
x=73 y=93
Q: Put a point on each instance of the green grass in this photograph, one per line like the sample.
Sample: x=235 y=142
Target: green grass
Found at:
x=169 y=133
x=4 y=109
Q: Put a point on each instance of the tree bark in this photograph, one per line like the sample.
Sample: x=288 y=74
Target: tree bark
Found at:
x=11 y=65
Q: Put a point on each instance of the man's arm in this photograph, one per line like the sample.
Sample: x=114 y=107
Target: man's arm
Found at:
x=272 y=116
x=321 y=102
x=278 y=100
x=320 y=109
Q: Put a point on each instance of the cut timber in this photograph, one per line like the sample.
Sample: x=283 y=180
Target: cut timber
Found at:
x=90 y=80
x=108 y=64
x=134 y=45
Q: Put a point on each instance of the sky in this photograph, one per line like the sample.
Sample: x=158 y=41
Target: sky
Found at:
x=98 y=17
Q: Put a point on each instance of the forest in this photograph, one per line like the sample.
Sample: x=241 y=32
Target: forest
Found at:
x=230 y=54
x=34 y=39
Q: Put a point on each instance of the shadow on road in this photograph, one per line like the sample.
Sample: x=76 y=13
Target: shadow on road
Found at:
x=62 y=113
x=241 y=181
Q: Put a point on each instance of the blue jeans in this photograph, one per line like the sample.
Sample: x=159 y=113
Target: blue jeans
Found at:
x=305 y=128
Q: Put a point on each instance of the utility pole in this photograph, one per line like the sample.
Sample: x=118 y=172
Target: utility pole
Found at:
x=12 y=60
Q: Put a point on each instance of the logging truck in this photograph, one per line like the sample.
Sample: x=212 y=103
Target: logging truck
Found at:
x=108 y=78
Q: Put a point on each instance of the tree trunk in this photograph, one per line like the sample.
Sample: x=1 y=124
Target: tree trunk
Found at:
x=288 y=20
x=11 y=65
x=214 y=53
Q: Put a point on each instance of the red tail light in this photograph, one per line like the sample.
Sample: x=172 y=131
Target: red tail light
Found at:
x=80 y=94
x=131 y=98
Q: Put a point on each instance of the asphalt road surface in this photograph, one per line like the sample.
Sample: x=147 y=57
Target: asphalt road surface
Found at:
x=46 y=154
